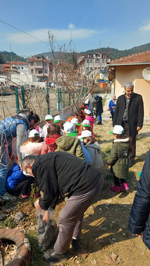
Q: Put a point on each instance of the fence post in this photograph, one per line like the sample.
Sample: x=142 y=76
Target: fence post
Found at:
x=59 y=99
x=47 y=100
x=22 y=95
x=69 y=100
x=17 y=100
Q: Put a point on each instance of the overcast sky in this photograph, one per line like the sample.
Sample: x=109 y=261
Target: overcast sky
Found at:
x=92 y=24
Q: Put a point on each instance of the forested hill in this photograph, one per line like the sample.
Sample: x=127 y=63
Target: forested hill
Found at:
x=11 y=56
x=111 y=52
x=115 y=53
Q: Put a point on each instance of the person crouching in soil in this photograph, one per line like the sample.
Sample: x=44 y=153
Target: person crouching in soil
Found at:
x=119 y=159
x=65 y=174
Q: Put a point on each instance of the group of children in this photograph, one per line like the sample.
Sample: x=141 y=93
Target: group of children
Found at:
x=73 y=136
x=76 y=137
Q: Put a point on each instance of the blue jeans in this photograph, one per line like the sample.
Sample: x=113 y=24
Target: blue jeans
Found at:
x=3 y=172
x=99 y=117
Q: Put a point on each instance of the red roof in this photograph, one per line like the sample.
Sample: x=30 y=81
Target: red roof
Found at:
x=35 y=58
x=17 y=63
x=138 y=58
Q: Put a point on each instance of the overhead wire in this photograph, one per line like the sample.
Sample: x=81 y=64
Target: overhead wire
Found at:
x=23 y=32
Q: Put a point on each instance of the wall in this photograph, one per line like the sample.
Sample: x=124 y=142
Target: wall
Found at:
x=141 y=86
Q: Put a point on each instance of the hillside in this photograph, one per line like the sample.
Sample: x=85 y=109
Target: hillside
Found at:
x=111 y=52
x=11 y=56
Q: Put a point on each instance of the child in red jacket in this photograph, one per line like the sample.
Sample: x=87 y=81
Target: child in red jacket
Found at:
x=53 y=133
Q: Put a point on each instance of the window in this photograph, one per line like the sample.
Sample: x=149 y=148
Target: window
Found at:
x=45 y=71
x=31 y=71
x=22 y=68
x=31 y=63
x=45 y=64
x=39 y=57
x=38 y=63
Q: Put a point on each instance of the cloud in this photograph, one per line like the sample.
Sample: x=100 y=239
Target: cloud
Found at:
x=146 y=27
x=71 y=26
x=60 y=35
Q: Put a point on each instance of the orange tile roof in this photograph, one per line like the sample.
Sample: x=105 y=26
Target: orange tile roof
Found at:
x=35 y=58
x=16 y=63
x=138 y=58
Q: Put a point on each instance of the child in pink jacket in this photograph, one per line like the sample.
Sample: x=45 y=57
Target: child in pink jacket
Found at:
x=88 y=116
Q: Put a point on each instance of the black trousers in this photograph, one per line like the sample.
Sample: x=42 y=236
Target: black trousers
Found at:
x=118 y=181
x=23 y=187
x=133 y=140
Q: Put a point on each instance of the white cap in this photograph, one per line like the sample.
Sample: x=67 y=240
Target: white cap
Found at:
x=86 y=111
x=86 y=133
x=75 y=121
x=48 y=117
x=58 y=117
x=34 y=133
x=118 y=130
x=86 y=122
x=87 y=100
x=70 y=130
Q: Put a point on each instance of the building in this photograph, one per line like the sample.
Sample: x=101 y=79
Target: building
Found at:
x=93 y=64
x=20 y=66
x=40 y=67
x=134 y=68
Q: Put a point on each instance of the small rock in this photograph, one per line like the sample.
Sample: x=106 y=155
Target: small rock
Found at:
x=19 y=216
x=2 y=216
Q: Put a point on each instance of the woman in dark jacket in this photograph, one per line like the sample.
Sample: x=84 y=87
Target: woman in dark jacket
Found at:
x=99 y=108
x=140 y=214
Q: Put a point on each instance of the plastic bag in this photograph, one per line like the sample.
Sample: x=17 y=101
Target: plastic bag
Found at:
x=46 y=232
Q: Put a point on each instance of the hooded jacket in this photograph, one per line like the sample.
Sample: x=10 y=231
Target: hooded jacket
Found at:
x=140 y=213
x=118 y=158
x=49 y=144
x=71 y=145
x=96 y=154
x=61 y=173
x=91 y=119
x=31 y=148
x=15 y=176
x=99 y=106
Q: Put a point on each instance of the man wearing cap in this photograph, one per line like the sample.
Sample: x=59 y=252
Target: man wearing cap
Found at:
x=69 y=142
x=48 y=121
x=66 y=175
x=59 y=121
x=129 y=113
x=99 y=108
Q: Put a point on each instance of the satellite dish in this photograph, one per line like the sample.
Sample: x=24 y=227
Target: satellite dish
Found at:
x=146 y=73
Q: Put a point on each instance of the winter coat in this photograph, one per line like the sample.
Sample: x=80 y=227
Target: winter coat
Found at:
x=31 y=148
x=99 y=105
x=49 y=144
x=135 y=112
x=61 y=173
x=91 y=119
x=8 y=127
x=71 y=145
x=118 y=158
x=140 y=213
x=15 y=176
x=111 y=105
x=87 y=155
x=96 y=154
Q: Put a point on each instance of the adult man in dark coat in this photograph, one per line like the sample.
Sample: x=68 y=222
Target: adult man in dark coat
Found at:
x=140 y=213
x=129 y=113
x=61 y=173
x=99 y=108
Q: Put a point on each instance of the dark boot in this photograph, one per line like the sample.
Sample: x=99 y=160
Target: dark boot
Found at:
x=76 y=246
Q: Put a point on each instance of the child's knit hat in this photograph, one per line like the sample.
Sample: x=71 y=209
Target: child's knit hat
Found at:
x=57 y=118
x=118 y=130
x=75 y=121
x=86 y=123
x=86 y=111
